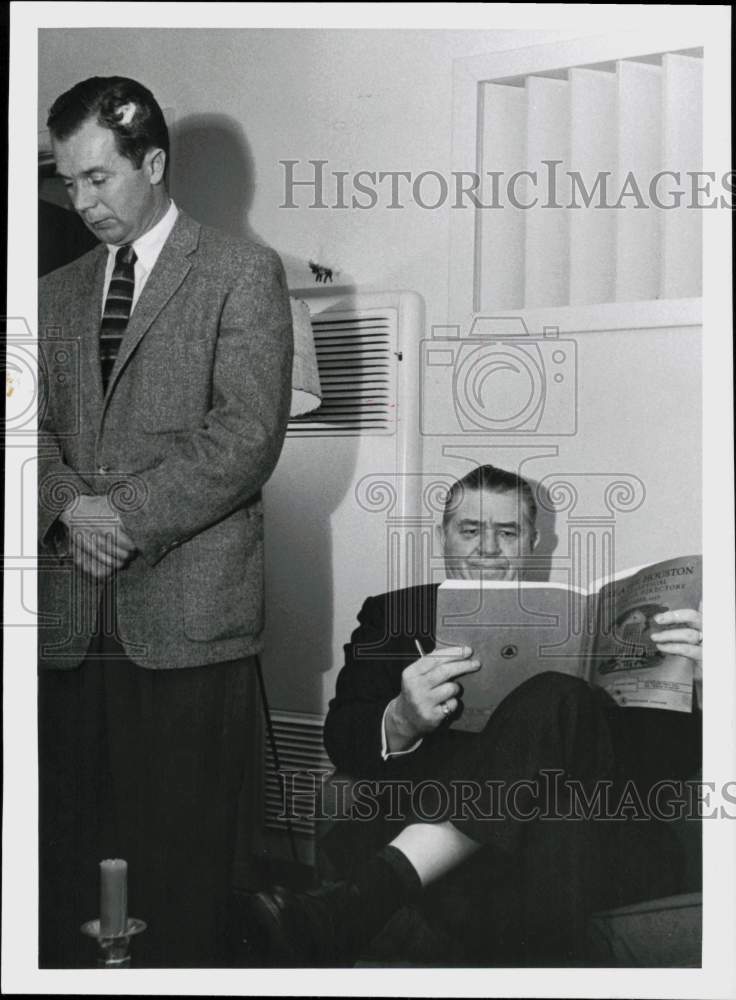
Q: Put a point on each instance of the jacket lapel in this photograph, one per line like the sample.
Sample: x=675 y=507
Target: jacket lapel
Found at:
x=168 y=273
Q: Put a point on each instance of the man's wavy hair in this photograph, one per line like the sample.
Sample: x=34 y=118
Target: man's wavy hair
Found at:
x=488 y=477
x=124 y=106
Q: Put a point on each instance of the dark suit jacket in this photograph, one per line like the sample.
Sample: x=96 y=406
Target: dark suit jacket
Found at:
x=486 y=902
x=188 y=432
x=380 y=649
x=649 y=743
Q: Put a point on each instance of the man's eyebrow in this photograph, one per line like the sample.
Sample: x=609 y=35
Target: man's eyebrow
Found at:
x=85 y=173
x=468 y=522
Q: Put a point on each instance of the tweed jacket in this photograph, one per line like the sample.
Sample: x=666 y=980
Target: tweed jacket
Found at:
x=189 y=430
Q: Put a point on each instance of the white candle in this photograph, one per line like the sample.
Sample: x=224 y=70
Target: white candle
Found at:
x=113 y=897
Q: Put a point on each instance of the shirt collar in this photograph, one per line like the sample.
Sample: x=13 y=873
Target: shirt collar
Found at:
x=148 y=246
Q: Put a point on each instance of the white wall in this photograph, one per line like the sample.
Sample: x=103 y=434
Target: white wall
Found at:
x=381 y=100
x=370 y=100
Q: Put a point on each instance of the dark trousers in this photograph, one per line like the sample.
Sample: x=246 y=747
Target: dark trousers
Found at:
x=526 y=896
x=147 y=766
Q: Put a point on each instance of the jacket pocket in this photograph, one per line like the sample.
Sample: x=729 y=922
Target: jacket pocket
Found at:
x=224 y=579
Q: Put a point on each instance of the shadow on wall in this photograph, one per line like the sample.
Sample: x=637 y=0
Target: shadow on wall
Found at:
x=213 y=174
x=548 y=540
x=213 y=177
x=310 y=493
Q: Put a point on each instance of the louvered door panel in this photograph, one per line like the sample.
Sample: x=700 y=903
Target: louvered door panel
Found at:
x=592 y=154
x=639 y=138
x=547 y=258
x=321 y=519
x=501 y=227
x=682 y=269
x=327 y=530
x=612 y=127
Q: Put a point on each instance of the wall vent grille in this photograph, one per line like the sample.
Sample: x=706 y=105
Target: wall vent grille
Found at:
x=304 y=762
x=356 y=357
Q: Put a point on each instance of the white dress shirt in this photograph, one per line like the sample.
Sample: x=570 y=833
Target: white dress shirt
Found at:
x=386 y=754
x=147 y=248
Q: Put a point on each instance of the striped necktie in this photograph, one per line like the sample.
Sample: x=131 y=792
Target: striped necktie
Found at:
x=117 y=310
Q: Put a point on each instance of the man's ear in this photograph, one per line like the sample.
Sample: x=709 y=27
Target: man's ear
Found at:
x=156 y=159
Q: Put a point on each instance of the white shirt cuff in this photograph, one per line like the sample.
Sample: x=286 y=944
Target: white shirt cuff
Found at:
x=385 y=753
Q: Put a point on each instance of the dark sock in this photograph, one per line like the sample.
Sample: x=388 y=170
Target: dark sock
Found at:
x=404 y=870
x=384 y=883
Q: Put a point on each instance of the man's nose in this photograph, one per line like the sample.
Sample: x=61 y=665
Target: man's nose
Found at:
x=83 y=197
x=489 y=544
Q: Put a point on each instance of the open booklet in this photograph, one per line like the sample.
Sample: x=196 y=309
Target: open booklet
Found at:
x=518 y=629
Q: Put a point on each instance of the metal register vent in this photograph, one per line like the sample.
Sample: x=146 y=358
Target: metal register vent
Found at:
x=304 y=763
x=356 y=360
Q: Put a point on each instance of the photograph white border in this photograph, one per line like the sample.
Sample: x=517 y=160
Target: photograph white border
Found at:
x=717 y=978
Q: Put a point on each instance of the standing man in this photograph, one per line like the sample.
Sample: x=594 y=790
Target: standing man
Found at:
x=168 y=356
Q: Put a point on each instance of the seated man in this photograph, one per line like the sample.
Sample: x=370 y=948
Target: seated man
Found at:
x=508 y=891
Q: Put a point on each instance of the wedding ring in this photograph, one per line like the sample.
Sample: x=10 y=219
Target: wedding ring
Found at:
x=700 y=639
x=445 y=708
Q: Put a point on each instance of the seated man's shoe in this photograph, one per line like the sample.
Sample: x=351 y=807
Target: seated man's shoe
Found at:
x=331 y=925
x=319 y=928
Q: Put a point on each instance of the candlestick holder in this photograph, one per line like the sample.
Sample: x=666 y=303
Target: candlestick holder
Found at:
x=114 y=949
